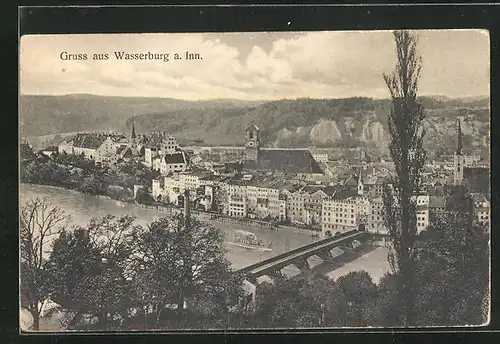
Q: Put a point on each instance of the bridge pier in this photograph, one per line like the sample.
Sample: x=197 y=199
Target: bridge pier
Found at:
x=303 y=265
x=326 y=256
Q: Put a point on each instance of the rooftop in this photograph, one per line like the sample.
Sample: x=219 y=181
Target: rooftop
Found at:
x=285 y=160
x=156 y=139
x=175 y=158
x=437 y=202
x=89 y=140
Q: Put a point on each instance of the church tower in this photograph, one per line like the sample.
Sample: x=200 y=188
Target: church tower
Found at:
x=458 y=174
x=133 y=138
x=360 y=177
x=252 y=142
x=360 y=182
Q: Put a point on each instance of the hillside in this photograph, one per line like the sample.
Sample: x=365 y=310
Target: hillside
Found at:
x=323 y=123
x=284 y=123
x=44 y=115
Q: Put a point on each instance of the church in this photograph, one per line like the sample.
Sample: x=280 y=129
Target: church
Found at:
x=288 y=161
x=475 y=179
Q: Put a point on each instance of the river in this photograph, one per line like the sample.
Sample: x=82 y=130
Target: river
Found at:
x=82 y=208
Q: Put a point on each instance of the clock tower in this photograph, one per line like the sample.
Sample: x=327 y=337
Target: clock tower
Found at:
x=252 y=142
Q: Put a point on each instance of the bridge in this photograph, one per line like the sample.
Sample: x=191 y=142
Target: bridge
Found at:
x=299 y=256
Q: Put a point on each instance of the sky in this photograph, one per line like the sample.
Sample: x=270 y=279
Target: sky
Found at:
x=253 y=66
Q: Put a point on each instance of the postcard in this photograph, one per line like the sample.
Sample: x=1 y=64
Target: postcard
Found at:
x=263 y=180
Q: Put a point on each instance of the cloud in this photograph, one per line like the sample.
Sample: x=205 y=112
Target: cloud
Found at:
x=257 y=66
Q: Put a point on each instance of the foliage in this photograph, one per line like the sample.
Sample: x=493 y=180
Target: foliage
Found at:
x=93 y=184
x=317 y=302
x=453 y=271
x=39 y=221
x=407 y=153
x=73 y=267
x=73 y=160
x=89 y=272
x=26 y=153
x=75 y=172
x=144 y=197
x=180 y=260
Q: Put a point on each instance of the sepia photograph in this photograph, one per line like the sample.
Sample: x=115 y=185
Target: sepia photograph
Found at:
x=254 y=181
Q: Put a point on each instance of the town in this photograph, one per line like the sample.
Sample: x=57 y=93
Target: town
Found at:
x=293 y=187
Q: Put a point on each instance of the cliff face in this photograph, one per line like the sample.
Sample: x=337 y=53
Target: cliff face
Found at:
x=369 y=131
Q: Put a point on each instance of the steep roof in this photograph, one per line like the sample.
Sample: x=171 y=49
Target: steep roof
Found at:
x=175 y=158
x=346 y=192
x=350 y=182
x=284 y=160
x=330 y=190
x=252 y=127
x=89 y=140
x=124 y=152
x=133 y=129
x=156 y=139
x=459 y=139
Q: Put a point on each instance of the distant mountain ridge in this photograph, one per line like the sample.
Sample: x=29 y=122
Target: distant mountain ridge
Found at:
x=284 y=123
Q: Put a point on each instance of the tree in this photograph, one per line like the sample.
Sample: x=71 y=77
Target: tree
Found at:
x=452 y=266
x=26 y=153
x=312 y=302
x=406 y=150
x=90 y=272
x=358 y=293
x=73 y=266
x=40 y=221
x=114 y=239
x=181 y=259
x=144 y=197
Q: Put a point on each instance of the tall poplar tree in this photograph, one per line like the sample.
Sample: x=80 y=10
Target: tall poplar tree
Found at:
x=406 y=139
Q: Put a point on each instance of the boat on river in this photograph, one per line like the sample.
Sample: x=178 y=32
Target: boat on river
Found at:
x=249 y=240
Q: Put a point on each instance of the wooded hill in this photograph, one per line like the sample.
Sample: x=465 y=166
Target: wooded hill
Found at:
x=284 y=123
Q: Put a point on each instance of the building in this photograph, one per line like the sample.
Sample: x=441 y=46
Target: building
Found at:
x=252 y=142
x=313 y=205
x=93 y=146
x=49 y=151
x=283 y=215
x=320 y=157
x=376 y=220
x=374 y=186
x=263 y=197
x=459 y=159
x=159 y=144
x=422 y=214
x=296 y=161
x=339 y=216
x=476 y=179
x=175 y=162
x=483 y=209
x=471 y=160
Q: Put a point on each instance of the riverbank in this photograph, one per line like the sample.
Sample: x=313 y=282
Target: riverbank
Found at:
x=212 y=216
x=82 y=208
